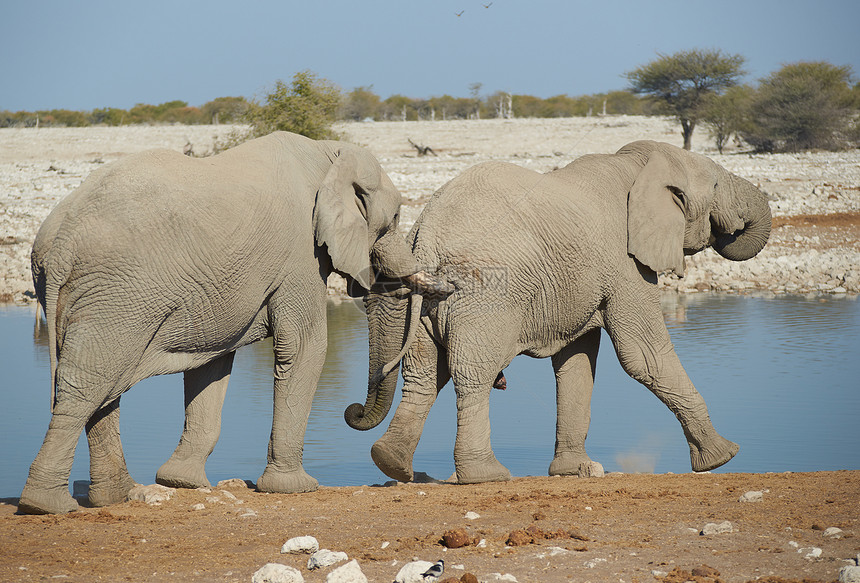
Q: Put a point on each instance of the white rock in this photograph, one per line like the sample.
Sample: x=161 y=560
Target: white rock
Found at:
x=505 y=577
x=301 y=544
x=349 y=573
x=833 y=532
x=277 y=573
x=591 y=469
x=232 y=483
x=152 y=494
x=472 y=515
x=752 y=496
x=812 y=553
x=412 y=572
x=326 y=558
x=849 y=574
x=713 y=528
x=198 y=507
x=552 y=552
x=594 y=562
x=385 y=545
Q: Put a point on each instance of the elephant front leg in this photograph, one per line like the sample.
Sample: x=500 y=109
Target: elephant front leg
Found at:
x=474 y=459
x=110 y=481
x=298 y=364
x=205 y=389
x=424 y=375
x=649 y=357
x=574 y=376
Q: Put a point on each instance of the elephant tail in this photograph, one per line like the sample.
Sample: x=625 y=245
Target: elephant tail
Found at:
x=50 y=274
x=416 y=302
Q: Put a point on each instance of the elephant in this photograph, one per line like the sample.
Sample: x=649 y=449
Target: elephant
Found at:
x=161 y=263
x=541 y=263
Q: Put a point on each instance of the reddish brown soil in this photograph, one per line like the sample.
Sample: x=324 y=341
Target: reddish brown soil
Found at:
x=618 y=528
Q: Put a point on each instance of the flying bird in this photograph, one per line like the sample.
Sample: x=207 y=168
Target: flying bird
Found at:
x=434 y=572
x=460 y=13
x=488 y=5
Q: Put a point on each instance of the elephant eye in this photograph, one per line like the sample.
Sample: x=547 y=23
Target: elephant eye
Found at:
x=679 y=197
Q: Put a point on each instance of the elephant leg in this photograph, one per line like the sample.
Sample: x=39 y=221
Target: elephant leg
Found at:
x=646 y=353
x=574 y=369
x=424 y=375
x=299 y=357
x=47 y=488
x=109 y=478
x=205 y=389
x=477 y=350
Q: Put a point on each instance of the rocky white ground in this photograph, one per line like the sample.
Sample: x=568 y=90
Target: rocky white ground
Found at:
x=815 y=197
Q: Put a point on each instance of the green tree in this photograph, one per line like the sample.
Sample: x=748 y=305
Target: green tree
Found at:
x=110 y=116
x=683 y=82
x=727 y=114
x=802 y=106
x=225 y=110
x=361 y=103
x=307 y=106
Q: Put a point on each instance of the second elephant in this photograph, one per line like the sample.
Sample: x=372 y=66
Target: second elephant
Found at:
x=541 y=263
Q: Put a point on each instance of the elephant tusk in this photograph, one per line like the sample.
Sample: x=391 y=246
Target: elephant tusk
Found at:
x=430 y=285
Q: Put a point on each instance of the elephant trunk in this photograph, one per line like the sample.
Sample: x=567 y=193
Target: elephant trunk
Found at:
x=392 y=258
x=387 y=335
x=741 y=219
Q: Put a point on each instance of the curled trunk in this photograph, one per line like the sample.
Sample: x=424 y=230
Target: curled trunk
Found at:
x=387 y=313
x=742 y=219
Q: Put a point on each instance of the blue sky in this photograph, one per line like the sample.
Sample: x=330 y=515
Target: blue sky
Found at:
x=112 y=53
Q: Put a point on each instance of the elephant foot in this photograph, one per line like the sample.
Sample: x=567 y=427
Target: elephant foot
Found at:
x=393 y=461
x=712 y=454
x=46 y=500
x=476 y=472
x=106 y=492
x=567 y=463
x=182 y=474
x=294 y=482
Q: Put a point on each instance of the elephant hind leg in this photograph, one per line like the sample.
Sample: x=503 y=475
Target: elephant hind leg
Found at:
x=205 y=389
x=574 y=369
x=110 y=480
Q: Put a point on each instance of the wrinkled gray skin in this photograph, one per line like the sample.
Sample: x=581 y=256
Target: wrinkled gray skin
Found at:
x=542 y=263
x=161 y=263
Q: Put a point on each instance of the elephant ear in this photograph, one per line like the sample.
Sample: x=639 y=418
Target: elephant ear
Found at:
x=340 y=221
x=655 y=221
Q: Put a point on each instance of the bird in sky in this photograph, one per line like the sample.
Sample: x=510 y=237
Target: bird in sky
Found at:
x=460 y=13
x=488 y=5
x=434 y=572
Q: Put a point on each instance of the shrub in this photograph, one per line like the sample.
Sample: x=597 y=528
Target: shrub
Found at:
x=307 y=106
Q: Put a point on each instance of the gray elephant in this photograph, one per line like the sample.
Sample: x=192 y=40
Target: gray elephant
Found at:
x=541 y=263
x=161 y=263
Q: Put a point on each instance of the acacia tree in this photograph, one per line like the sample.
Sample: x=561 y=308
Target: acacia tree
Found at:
x=682 y=83
x=727 y=114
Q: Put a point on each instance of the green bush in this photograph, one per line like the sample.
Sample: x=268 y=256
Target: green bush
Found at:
x=803 y=106
x=307 y=106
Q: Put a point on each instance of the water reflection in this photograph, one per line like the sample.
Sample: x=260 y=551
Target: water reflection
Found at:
x=779 y=376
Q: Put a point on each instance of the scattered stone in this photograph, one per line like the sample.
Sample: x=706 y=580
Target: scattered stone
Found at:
x=301 y=544
x=198 y=507
x=326 y=558
x=349 y=573
x=153 y=494
x=385 y=545
x=472 y=515
x=229 y=496
x=277 y=573
x=594 y=562
x=591 y=469
x=849 y=574
x=412 y=572
x=752 y=496
x=505 y=577
x=247 y=513
x=468 y=578
x=713 y=528
x=552 y=552
x=812 y=553
x=454 y=539
x=833 y=532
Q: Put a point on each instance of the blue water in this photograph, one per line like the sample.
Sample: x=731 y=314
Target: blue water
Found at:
x=781 y=377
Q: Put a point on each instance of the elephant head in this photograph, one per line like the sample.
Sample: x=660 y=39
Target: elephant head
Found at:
x=682 y=202
x=356 y=217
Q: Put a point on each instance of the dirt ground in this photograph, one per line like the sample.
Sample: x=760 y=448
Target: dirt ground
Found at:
x=622 y=527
